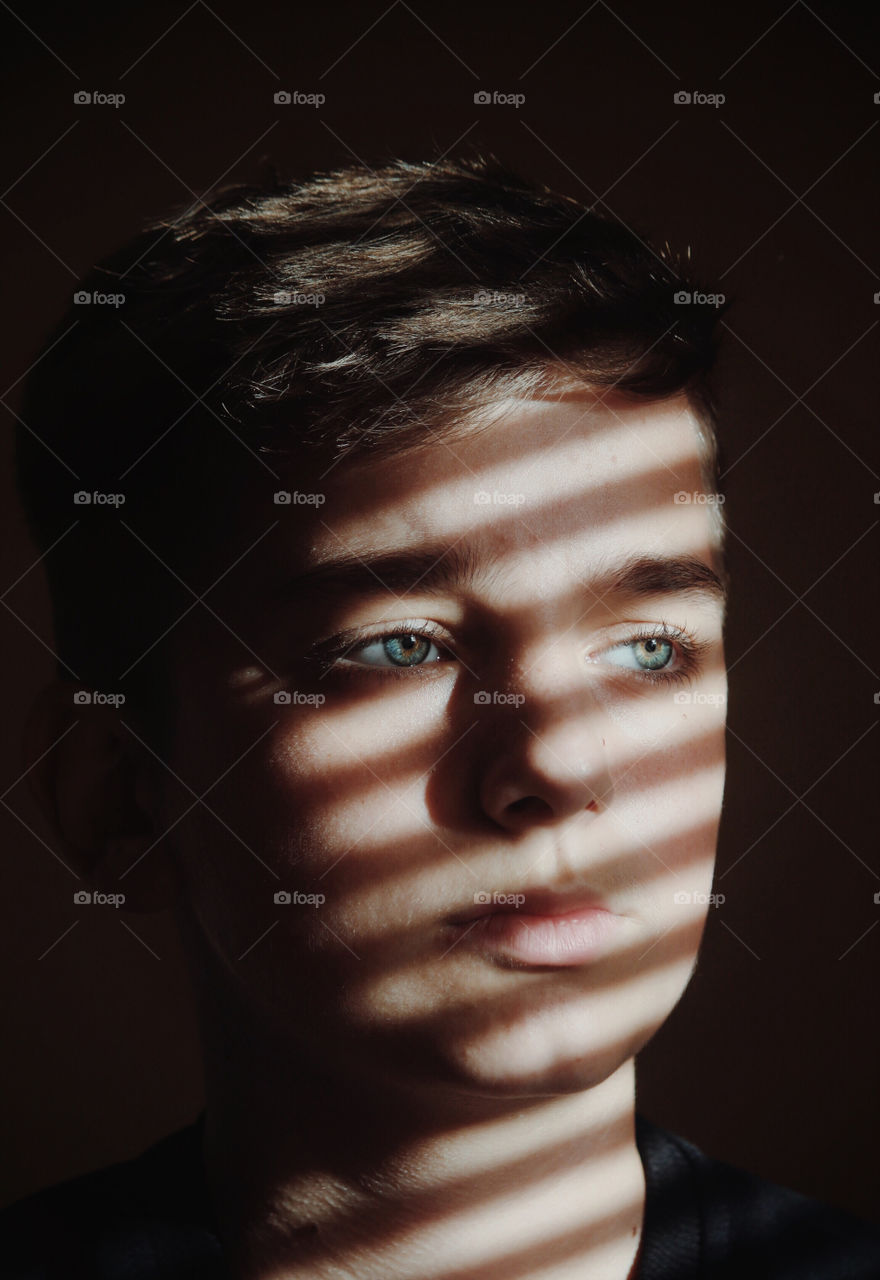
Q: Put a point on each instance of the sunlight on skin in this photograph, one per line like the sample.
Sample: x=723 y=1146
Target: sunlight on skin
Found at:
x=384 y=877
x=367 y=1034
x=458 y=1236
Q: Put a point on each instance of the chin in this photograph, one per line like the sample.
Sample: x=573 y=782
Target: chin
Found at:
x=481 y=1075
x=535 y=1057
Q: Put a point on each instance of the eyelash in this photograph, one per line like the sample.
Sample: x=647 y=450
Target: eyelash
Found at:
x=325 y=654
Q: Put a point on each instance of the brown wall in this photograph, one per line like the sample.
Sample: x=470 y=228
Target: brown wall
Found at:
x=770 y=1060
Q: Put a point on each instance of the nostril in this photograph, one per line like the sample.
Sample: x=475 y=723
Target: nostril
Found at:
x=530 y=805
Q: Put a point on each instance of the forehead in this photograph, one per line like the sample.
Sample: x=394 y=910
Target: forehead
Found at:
x=545 y=481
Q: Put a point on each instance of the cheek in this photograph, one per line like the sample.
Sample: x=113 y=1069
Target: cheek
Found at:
x=318 y=808
x=666 y=754
x=352 y=777
x=665 y=818
x=324 y=822
x=667 y=800
x=669 y=715
x=337 y=776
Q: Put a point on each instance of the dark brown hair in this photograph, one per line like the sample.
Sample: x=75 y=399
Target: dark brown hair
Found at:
x=360 y=308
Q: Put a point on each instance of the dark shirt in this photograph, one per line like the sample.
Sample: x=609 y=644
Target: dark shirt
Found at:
x=150 y=1217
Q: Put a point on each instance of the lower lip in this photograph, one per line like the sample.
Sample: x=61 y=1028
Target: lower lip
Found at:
x=557 y=941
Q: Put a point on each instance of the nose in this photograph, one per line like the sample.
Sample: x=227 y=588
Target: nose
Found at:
x=549 y=761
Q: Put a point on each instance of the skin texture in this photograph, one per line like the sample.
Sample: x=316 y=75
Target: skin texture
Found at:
x=388 y=1098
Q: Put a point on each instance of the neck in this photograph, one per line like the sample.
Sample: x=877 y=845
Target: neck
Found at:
x=323 y=1174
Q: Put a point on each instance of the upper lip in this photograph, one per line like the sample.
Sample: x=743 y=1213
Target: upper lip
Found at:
x=538 y=902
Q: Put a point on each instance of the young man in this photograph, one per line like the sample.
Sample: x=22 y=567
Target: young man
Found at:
x=404 y=549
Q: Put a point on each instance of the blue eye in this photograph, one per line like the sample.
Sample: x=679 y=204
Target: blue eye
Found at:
x=409 y=649
x=662 y=655
x=408 y=645
x=643 y=653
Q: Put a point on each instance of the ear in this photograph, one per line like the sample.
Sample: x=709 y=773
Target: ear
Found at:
x=100 y=792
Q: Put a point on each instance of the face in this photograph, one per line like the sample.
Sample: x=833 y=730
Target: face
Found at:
x=484 y=677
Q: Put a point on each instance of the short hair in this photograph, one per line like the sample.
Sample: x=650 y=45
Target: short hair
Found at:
x=362 y=308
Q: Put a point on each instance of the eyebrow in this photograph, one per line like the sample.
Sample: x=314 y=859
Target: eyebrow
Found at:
x=440 y=572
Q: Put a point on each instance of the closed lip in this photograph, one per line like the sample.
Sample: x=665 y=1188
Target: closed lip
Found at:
x=538 y=902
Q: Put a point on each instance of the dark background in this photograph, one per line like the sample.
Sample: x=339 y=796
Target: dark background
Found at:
x=770 y=1061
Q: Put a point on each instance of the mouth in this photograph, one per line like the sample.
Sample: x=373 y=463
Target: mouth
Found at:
x=539 y=929
x=533 y=903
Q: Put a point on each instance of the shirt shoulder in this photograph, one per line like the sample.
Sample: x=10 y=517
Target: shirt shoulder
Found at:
x=710 y=1220
x=139 y=1219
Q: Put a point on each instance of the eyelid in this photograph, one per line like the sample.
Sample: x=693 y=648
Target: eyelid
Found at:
x=689 y=649
x=420 y=626
x=354 y=638
x=636 y=631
